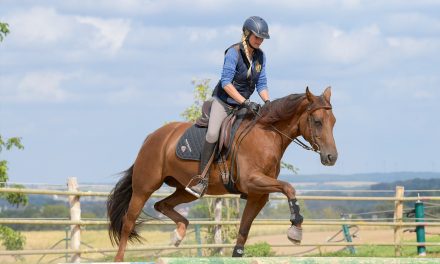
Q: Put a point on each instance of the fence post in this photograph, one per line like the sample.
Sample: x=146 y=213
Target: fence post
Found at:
x=75 y=215
x=347 y=236
x=198 y=239
x=420 y=230
x=218 y=228
x=66 y=256
x=398 y=219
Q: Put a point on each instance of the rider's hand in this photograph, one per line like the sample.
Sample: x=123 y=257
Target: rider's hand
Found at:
x=254 y=107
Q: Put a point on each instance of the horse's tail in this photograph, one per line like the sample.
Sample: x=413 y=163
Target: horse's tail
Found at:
x=117 y=206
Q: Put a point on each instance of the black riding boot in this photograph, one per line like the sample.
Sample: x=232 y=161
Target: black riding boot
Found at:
x=199 y=189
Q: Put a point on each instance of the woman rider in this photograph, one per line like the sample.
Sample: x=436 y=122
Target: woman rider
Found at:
x=243 y=72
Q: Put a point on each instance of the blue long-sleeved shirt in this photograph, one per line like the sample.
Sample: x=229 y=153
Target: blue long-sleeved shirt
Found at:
x=229 y=65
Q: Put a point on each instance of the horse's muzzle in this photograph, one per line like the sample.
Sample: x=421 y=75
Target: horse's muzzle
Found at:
x=328 y=158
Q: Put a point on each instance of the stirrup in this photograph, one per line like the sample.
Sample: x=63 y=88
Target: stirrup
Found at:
x=188 y=189
x=202 y=182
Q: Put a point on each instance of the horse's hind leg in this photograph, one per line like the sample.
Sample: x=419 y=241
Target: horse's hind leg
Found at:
x=166 y=207
x=138 y=199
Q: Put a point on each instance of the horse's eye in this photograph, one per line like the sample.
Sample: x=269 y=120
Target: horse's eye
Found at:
x=318 y=123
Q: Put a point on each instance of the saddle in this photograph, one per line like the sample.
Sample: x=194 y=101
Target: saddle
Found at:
x=190 y=144
x=228 y=128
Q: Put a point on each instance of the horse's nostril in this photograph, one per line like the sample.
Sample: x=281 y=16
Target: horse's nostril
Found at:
x=330 y=157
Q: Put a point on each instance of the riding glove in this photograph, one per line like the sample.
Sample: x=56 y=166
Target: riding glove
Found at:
x=254 y=107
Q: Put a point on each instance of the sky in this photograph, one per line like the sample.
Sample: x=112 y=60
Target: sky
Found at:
x=84 y=82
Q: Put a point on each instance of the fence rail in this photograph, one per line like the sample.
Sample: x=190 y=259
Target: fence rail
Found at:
x=397 y=222
x=212 y=222
x=272 y=197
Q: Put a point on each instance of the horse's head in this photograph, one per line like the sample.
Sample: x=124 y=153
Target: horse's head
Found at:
x=316 y=126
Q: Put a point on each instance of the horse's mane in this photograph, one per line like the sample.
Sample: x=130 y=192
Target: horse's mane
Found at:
x=280 y=109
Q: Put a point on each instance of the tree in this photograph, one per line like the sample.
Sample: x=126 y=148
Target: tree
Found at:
x=55 y=210
x=4 y=30
x=290 y=167
x=11 y=239
x=201 y=94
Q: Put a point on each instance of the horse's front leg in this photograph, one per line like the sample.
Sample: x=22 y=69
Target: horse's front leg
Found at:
x=253 y=206
x=263 y=184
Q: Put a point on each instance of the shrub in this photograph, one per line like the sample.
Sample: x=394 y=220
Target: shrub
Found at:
x=261 y=249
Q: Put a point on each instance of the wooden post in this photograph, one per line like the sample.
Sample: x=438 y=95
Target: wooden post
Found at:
x=398 y=219
x=218 y=228
x=228 y=209
x=75 y=215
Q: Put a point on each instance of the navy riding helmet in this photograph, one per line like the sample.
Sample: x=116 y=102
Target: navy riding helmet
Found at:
x=256 y=25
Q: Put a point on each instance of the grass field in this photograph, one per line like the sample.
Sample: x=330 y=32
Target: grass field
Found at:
x=270 y=234
x=376 y=251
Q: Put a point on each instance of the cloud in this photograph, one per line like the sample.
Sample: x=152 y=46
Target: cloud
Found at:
x=125 y=95
x=181 y=37
x=147 y=7
x=420 y=87
x=110 y=33
x=42 y=26
x=413 y=47
x=325 y=43
x=412 y=23
x=202 y=35
x=335 y=51
x=35 y=87
x=39 y=25
x=190 y=47
x=312 y=4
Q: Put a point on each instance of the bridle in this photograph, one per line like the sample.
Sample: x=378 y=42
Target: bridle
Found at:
x=314 y=146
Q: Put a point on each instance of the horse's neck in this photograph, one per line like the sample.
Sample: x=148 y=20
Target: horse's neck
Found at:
x=289 y=129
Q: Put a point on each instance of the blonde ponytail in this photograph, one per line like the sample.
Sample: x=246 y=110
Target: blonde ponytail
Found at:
x=246 y=51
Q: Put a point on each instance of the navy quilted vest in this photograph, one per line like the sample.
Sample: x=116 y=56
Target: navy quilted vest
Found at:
x=244 y=85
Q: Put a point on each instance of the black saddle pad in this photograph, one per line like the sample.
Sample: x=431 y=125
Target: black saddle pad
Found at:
x=191 y=142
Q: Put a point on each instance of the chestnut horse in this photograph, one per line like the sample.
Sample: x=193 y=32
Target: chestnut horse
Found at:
x=258 y=159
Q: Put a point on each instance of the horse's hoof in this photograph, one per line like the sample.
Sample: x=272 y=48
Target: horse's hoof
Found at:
x=175 y=238
x=294 y=234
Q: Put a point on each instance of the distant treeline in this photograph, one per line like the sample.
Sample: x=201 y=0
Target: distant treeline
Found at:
x=413 y=187
x=413 y=184
x=366 y=209
x=389 y=177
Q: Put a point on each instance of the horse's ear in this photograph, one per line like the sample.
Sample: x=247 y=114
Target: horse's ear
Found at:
x=310 y=96
x=328 y=93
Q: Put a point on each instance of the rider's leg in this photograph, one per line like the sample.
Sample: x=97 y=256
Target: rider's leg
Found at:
x=218 y=113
